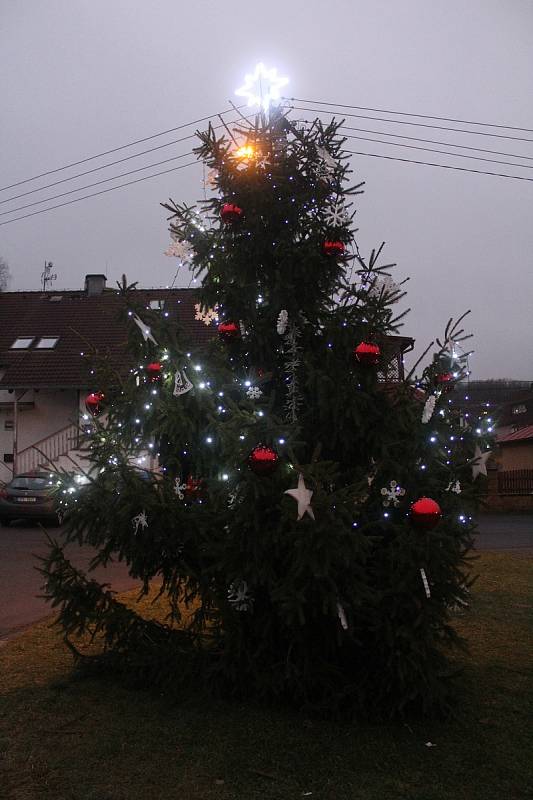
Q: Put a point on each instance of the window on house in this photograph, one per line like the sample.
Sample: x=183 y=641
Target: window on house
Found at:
x=520 y=409
x=8 y=458
x=156 y=305
x=8 y=425
x=47 y=342
x=22 y=343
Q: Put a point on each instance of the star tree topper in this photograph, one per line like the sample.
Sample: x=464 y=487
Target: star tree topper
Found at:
x=303 y=496
x=262 y=87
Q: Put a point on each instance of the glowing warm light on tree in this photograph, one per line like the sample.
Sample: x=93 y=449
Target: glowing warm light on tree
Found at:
x=246 y=151
x=262 y=87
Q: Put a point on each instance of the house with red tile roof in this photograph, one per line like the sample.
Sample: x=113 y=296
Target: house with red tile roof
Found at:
x=45 y=376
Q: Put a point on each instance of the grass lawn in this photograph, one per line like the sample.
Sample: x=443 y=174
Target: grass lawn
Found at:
x=67 y=739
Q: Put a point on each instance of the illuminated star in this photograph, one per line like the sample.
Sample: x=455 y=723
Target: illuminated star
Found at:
x=479 y=465
x=303 y=498
x=261 y=88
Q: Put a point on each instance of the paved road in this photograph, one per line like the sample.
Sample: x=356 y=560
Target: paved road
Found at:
x=20 y=583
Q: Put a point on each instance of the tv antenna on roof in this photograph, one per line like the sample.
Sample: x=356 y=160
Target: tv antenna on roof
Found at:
x=46 y=275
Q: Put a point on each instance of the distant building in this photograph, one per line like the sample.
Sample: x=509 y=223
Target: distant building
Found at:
x=44 y=378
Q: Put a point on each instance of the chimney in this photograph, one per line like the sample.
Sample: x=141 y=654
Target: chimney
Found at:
x=94 y=284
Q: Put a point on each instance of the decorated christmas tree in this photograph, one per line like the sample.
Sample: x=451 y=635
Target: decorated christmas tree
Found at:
x=306 y=516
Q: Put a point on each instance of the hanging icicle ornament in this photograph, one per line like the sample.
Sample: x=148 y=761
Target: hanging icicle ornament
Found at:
x=140 y=521
x=182 y=384
x=425 y=582
x=292 y=365
x=205 y=314
x=283 y=321
x=144 y=329
x=391 y=496
x=429 y=408
x=240 y=597
x=342 y=617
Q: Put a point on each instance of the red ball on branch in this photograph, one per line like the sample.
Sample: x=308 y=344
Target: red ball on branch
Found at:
x=263 y=460
x=230 y=213
x=367 y=353
x=153 y=371
x=444 y=381
x=425 y=514
x=335 y=249
x=229 y=331
x=195 y=489
x=93 y=403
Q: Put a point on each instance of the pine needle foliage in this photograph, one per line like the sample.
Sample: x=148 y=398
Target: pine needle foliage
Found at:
x=327 y=612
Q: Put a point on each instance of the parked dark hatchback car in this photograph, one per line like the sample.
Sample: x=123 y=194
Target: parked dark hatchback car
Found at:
x=28 y=496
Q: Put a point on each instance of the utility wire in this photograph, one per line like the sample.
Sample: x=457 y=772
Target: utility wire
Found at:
x=407 y=114
x=417 y=124
x=431 y=164
x=104 y=166
x=442 y=152
x=95 y=194
x=98 y=183
x=121 y=147
x=434 y=141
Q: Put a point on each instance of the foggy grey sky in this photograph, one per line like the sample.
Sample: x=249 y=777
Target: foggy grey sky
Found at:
x=80 y=77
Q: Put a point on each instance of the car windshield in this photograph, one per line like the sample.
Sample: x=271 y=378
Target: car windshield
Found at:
x=28 y=482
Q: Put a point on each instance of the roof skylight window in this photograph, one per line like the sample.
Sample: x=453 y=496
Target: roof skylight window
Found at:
x=23 y=343
x=47 y=342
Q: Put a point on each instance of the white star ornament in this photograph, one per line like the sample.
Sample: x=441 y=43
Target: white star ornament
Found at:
x=479 y=467
x=262 y=87
x=303 y=496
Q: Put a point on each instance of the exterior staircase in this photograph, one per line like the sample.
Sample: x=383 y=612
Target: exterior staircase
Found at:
x=59 y=450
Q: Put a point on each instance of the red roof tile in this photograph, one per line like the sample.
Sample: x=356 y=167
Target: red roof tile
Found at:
x=80 y=321
x=516 y=436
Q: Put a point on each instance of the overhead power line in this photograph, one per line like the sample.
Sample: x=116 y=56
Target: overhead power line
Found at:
x=443 y=166
x=435 y=141
x=97 y=183
x=95 y=194
x=104 y=166
x=417 y=124
x=408 y=114
x=121 y=147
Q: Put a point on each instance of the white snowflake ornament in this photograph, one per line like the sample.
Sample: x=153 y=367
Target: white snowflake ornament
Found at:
x=181 y=250
x=179 y=488
x=205 y=315
x=240 y=597
x=336 y=215
x=254 y=393
x=391 y=496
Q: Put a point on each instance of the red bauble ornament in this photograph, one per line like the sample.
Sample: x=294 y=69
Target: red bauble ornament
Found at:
x=367 y=353
x=333 y=249
x=444 y=381
x=93 y=403
x=229 y=331
x=195 y=489
x=153 y=371
x=230 y=213
x=263 y=460
x=425 y=514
